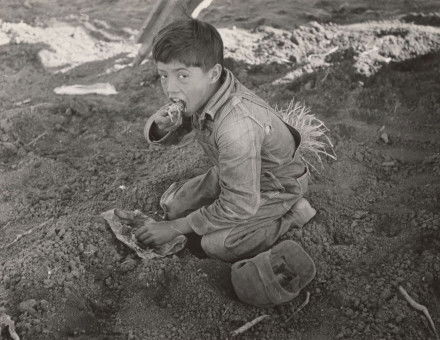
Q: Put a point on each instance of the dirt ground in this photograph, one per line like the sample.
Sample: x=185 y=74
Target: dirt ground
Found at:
x=369 y=69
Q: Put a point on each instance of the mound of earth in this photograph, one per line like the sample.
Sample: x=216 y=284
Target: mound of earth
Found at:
x=66 y=159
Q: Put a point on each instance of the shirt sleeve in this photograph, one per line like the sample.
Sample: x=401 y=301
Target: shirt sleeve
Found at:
x=172 y=137
x=239 y=141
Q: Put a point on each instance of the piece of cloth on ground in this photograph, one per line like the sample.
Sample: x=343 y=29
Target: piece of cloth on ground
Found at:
x=125 y=234
x=105 y=89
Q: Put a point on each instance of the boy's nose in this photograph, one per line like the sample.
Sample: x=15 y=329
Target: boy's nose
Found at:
x=171 y=88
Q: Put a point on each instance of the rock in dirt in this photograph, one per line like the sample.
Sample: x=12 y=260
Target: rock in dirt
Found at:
x=7 y=149
x=384 y=138
x=128 y=265
x=68 y=112
x=359 y=214
x=386 y=294
x=28 y=306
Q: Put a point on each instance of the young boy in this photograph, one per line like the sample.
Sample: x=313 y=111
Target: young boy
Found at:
x=253 y=193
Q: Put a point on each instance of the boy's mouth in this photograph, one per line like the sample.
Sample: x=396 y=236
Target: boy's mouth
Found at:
x=180 y=103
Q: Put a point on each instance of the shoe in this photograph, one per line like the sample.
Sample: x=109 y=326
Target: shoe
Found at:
x=302 y=212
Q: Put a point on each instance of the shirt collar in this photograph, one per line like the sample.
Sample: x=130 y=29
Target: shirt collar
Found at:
x=219 y=98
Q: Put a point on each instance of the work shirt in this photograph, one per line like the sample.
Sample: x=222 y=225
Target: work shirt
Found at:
x=251 y=146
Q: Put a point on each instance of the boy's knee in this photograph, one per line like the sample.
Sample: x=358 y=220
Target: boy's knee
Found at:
x=173 y=210
x=223 y=245
x=172 y=205
x=214 y=245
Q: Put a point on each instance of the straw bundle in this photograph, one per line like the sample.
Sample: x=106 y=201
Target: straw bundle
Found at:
x=314 y=140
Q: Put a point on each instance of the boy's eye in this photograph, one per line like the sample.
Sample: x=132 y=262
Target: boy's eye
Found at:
x=182 y=76
x=162 y=76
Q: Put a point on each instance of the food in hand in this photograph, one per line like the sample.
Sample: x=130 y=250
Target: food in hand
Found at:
x=175 y=111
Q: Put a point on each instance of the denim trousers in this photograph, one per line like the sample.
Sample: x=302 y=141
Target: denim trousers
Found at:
x=247 y=239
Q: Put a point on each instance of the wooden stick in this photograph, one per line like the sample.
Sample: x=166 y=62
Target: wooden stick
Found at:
x=227 y=308
x=6 y=321
x=200 y=7
x=25 y=233
x=249 y=324
x=334 y=49
x=305 y=303
x=163 y=12
x=33 y=141
x=420 y=308
x=151 y=20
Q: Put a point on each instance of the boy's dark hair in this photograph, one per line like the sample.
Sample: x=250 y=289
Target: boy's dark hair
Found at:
x=189 y=41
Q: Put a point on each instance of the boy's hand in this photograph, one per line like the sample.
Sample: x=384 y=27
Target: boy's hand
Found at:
x=157 y=233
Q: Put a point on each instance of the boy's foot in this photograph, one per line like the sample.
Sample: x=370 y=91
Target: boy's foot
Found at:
x=302 y=212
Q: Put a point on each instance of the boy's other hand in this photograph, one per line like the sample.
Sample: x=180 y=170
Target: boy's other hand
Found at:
x=157 y=233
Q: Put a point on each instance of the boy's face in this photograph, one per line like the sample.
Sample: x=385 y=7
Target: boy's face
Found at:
x=189 y=84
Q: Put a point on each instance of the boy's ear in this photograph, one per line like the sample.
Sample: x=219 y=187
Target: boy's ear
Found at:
x=215 y=73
